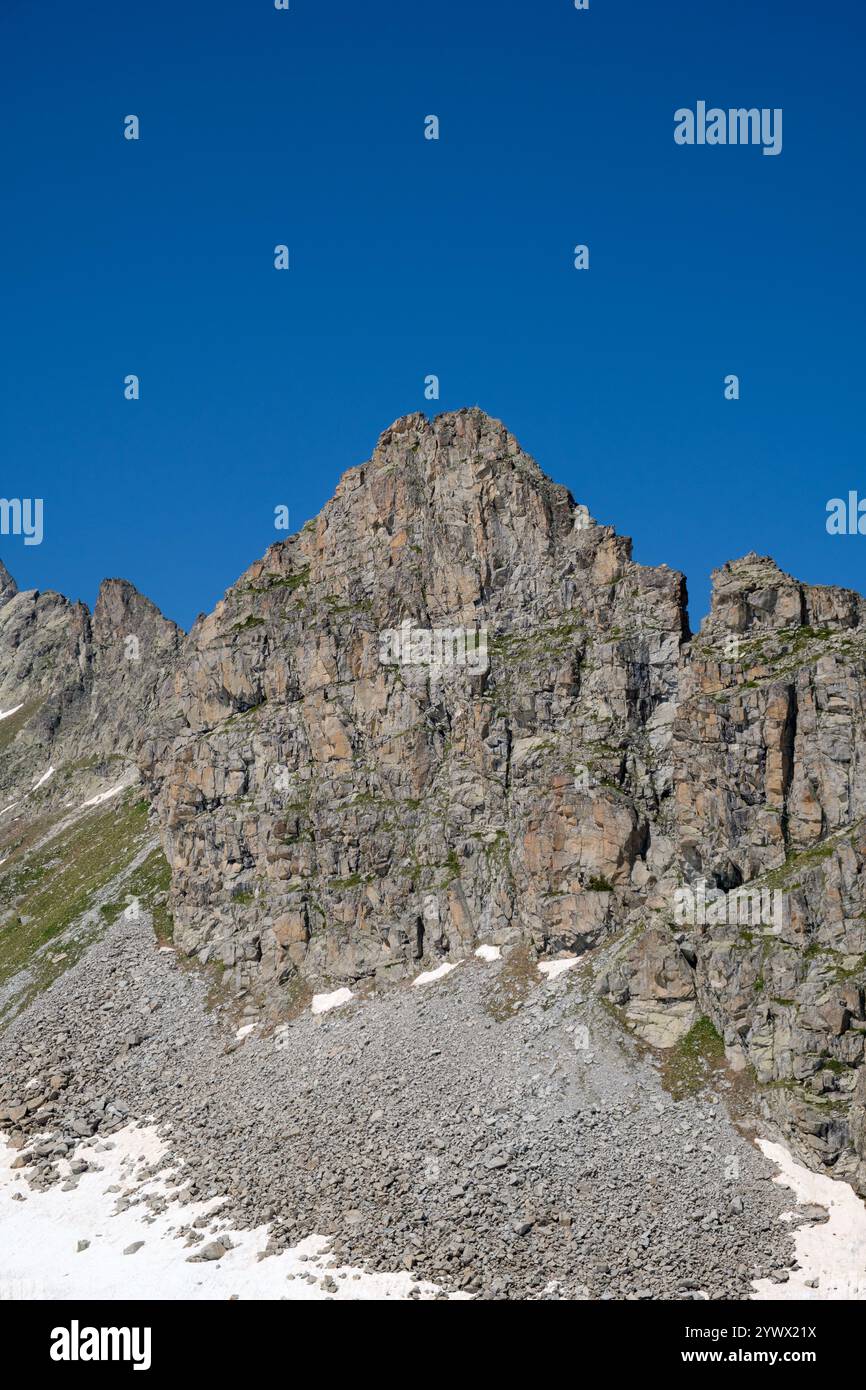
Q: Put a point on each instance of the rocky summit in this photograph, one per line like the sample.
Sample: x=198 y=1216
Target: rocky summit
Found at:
x=452 y=711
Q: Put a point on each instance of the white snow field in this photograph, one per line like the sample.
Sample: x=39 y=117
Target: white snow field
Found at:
x=832 y=1252
x=39 y=1238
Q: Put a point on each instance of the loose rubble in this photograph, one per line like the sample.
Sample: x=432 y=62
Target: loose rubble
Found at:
x=532 y=1155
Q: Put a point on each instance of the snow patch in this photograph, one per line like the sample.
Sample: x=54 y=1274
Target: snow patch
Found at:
x=427 y=976
x=41 y=1236
x=44 y=778
x=104 y=796
x=488 y=953
x=5 y=713
x=834 y=1251
x=323 y=1002
x=245 y=1030
x=554 y=968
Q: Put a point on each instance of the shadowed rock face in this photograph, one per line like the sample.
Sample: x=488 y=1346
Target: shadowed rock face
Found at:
x=332 y=813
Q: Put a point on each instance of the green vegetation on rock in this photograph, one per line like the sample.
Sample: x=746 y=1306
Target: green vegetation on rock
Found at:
x=691 y=1063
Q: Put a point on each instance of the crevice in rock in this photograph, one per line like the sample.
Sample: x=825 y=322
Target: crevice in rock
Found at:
x=788 y=742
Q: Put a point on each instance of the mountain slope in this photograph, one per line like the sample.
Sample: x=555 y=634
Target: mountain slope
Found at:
x=75 y=692
x=332 y=818
x=340 y=808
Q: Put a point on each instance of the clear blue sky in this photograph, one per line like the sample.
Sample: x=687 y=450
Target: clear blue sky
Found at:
x=412 y=257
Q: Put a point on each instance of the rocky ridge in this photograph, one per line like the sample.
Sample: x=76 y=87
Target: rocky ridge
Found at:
x=76 y=688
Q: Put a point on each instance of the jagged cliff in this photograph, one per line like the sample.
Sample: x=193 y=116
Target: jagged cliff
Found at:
x=76 y=688
x=333 y=811
x=329 y=813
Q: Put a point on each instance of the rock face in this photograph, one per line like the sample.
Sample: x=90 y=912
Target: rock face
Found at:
x=763 y=792
x=453 y=710
x=76 y=689
x=333 y=810
x=8 y=587
x=332 y=813
x=769 y=773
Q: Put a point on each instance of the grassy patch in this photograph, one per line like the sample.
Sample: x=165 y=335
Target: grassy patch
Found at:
x=834 y=1065
x=337 y=607
x=599 y=885
x=149 y=884
x=54 y=885
x=343 y=885
x=11 y=727
x=452 y=867
x=292 y=582
x=556 y=636
x=513 y=984
x=691 y=1064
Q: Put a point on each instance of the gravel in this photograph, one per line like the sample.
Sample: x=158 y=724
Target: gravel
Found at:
x=461 y=1130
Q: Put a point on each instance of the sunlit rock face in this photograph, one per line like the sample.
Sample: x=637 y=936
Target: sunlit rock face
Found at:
x=453 y=710
x=342 y=807
x=337 y=805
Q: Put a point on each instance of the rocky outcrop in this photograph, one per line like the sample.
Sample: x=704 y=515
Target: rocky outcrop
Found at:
x=453 y=709
x=76 y=689
x=768 y=772
x=8 y=587
x=330 y=813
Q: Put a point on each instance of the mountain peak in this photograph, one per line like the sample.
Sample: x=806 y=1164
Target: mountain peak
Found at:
x=454 y=436
x=119 y=602
x=752 y=592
